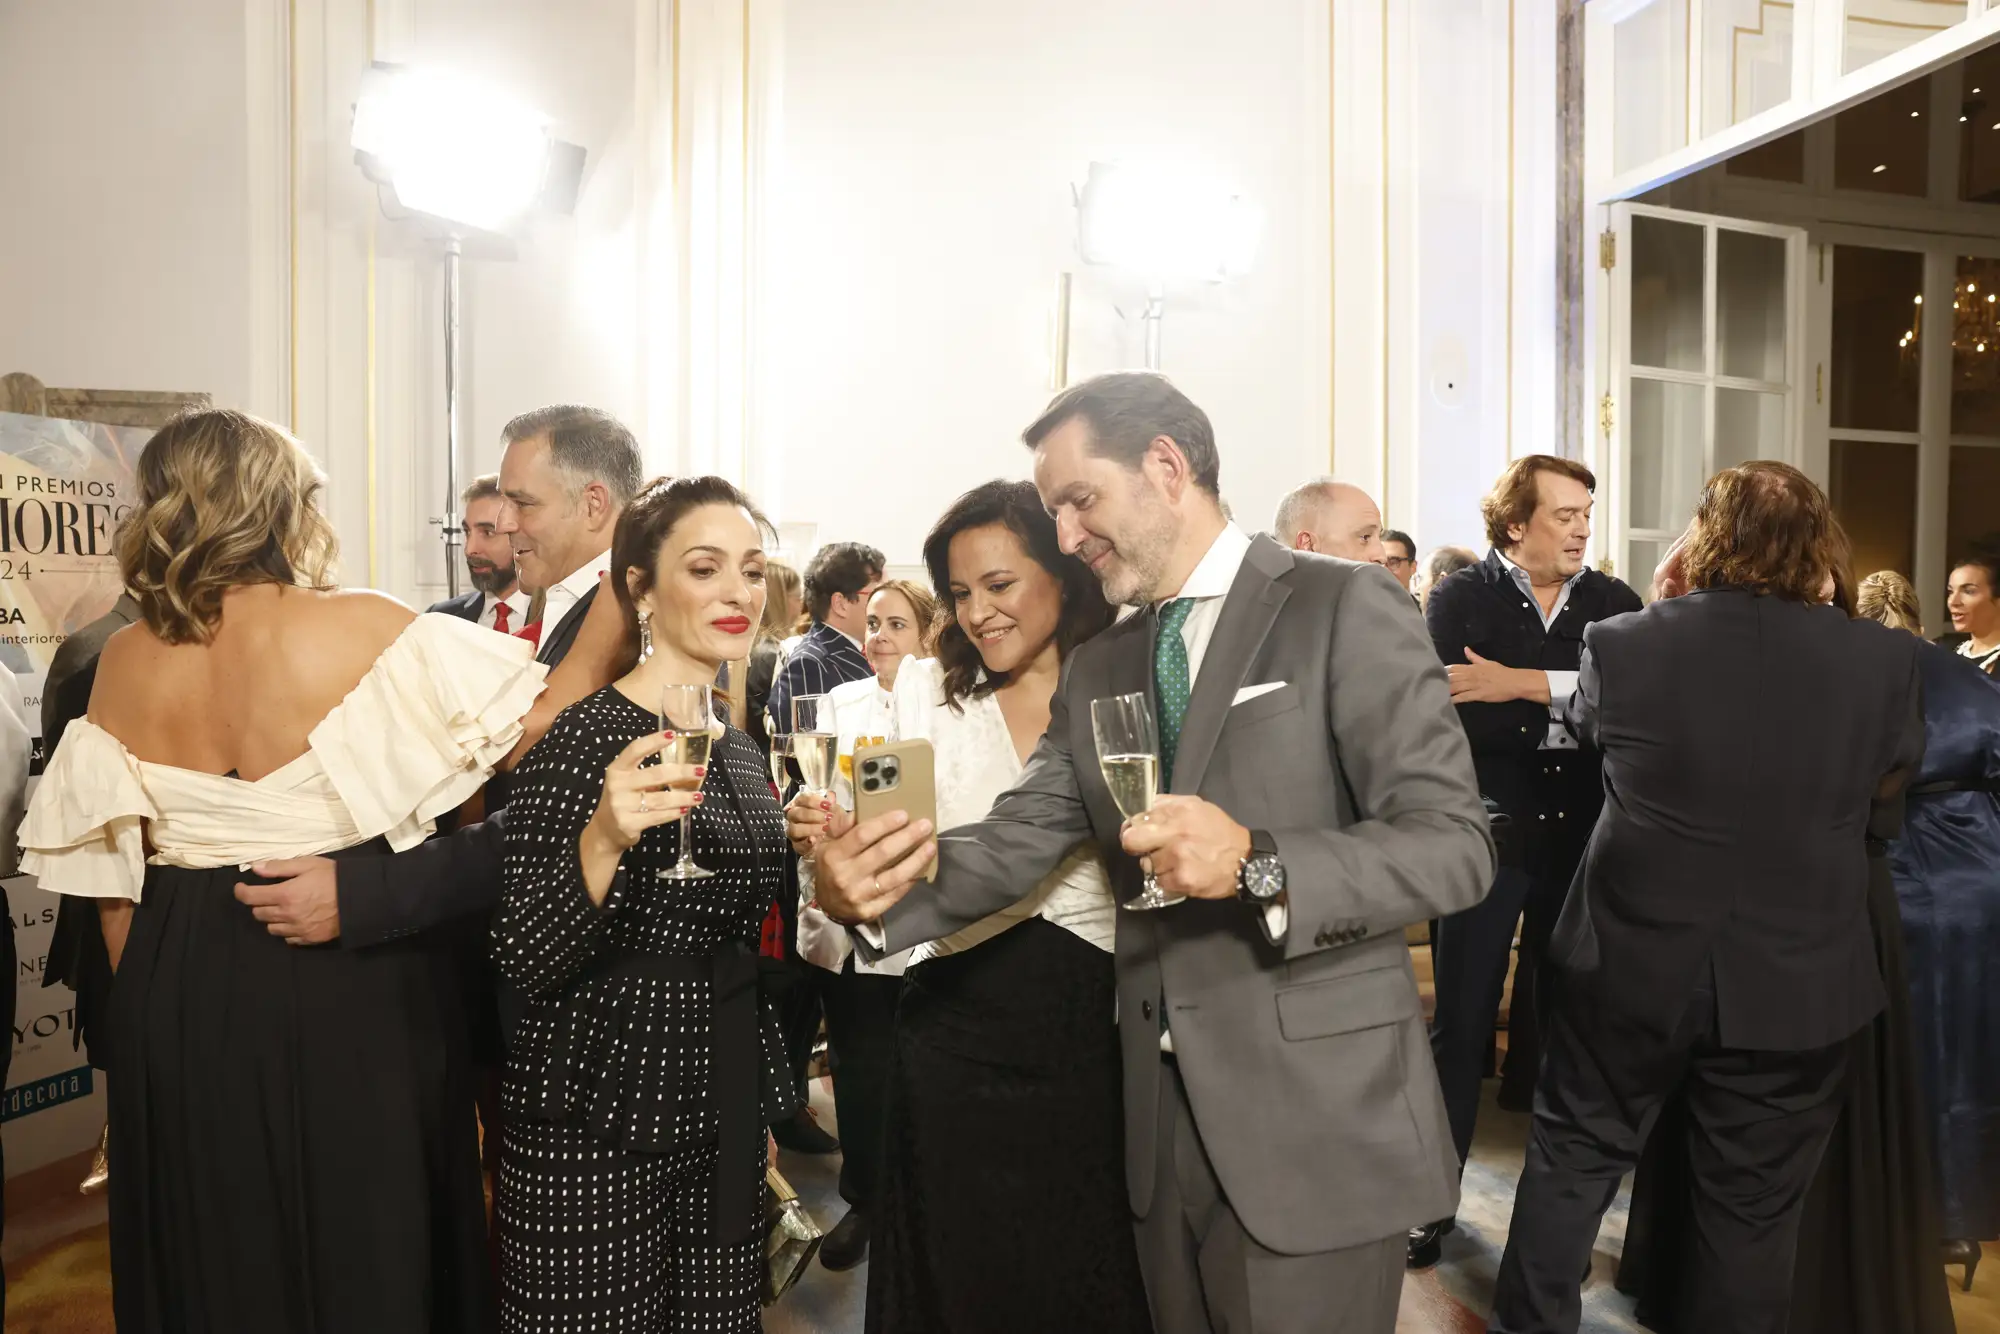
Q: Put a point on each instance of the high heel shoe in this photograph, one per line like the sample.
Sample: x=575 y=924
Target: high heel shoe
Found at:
x=100 y=1166
x=1962 y=1253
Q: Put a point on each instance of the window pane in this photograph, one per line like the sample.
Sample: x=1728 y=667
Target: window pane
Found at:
x=1667 y=267
x=1748 y=425
x=1649 y=56
x=1974 y=512
x=1645 y=556
x=1780 y=160
x=1750 y=305
x=1874 y=492
x=1883 y=145
x=1666 y=437
x=1975 y=349
x=1979 y=141
x=1877 y=28
x=1877 y=302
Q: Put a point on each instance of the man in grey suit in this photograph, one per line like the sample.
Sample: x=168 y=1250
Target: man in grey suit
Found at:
x=1284 y=1128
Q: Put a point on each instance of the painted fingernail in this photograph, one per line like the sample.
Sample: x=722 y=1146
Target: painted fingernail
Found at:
x=826 y=805
x=698 y=798
x=701 y=771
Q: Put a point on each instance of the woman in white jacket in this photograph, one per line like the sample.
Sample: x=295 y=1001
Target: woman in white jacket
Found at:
x=860 y=998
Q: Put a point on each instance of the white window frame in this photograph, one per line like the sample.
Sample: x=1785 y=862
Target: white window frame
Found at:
x=1613 y=457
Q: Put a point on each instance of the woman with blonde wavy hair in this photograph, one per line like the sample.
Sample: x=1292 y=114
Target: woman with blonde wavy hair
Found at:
x=290 y=1125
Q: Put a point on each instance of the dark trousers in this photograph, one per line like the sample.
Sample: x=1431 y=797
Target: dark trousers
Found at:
x=12 y=965
x=1758 y=1122
x=1470 y=954
x=861 y=1041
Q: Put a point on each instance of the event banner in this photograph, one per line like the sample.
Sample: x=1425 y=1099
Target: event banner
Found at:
x=64 y=486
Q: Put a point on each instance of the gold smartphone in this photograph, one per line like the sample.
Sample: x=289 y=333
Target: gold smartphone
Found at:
x=898 y=776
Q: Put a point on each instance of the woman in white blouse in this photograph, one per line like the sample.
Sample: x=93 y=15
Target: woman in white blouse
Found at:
x=291 y=1132
x=860 y=998
x=1003 y=1202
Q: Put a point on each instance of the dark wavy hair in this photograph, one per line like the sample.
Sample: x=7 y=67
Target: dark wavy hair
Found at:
x=643 y=527
x=1019 y=507
x=1768 y=528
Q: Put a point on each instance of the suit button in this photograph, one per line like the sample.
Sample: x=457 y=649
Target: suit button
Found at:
x=1145 y=1009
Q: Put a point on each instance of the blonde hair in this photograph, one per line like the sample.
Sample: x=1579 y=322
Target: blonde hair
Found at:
x=1888 y=597
x=783 y=590
x=924 y=603
x=226 y=500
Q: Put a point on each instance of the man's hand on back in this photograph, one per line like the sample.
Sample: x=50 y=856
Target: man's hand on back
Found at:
x=303 y=908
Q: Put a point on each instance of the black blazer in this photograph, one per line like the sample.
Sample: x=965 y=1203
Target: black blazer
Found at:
x=1482 y=608
x=1746 y=740
x=466 y=606
x=557 y=638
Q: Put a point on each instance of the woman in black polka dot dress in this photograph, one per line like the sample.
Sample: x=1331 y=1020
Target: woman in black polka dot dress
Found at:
x=639 y=1085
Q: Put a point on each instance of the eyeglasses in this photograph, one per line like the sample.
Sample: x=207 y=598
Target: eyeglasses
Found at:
x=1398 y=562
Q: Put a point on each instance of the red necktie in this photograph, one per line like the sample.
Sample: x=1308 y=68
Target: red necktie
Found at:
x=500 y=617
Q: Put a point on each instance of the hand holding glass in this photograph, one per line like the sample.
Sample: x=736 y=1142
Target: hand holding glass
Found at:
x=1128 y=753
x=686 y=715
x=814 y=741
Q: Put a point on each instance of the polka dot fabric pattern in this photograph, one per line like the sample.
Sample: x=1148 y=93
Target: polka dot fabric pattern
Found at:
x=597 y=1240
x=628 y=1058
x=1171 y=684
x=607 y=1201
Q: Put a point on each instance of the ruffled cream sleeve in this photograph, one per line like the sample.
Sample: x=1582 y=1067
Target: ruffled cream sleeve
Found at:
x=84 y=833
x=424 y=729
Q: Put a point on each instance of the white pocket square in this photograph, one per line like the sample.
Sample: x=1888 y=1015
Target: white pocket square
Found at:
x=1248 y=693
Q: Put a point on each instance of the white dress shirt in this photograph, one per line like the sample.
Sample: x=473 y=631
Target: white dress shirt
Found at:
x=562 y=599
x=1561 y=684
x=517 y=602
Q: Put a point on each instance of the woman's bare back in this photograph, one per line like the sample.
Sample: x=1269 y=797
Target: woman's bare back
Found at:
x=281 y=659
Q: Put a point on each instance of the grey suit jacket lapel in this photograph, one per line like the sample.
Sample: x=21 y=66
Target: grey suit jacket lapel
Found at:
x=1247 y=616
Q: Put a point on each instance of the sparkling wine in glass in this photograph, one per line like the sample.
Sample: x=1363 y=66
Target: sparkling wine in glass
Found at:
x=1128 y=754
x=686 y=714
x=781 y=750
x=815 y=744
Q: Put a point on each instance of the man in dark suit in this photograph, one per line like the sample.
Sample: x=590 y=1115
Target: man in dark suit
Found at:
x=1510 y=631
x=567 y=473
x=496 y=599
x=1283 y=1127
x=1717 y=937
x=838 y=583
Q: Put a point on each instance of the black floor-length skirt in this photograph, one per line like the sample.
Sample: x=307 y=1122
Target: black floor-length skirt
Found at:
x=1003 y=1205
x=292 y=1137
x=1868 y=1257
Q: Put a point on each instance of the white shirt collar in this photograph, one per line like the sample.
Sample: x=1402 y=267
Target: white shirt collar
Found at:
x=1521 y=574
x=1216 y=573
x=585 y=577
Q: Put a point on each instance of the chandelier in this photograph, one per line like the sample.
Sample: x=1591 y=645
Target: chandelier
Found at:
x=1975 y=335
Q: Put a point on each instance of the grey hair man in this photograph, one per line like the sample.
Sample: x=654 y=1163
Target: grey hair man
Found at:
x=565 y=476
x=1309 y=825
x=1441 y=562
x=1333 y=519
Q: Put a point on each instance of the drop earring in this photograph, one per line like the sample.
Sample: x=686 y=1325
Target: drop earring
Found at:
x=645 y=635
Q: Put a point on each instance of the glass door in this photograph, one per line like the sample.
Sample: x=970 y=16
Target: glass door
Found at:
x=1705 y=352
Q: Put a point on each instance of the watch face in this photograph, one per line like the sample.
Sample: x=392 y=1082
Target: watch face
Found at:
x=1263 y=877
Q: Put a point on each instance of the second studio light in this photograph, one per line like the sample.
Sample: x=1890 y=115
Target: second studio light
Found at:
x=456 y=149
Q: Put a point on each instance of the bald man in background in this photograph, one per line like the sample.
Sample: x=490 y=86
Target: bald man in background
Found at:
x=1333 y=519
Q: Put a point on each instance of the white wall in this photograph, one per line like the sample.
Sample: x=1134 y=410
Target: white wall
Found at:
x=127 y=220
x=924 y=212
x=868 y=237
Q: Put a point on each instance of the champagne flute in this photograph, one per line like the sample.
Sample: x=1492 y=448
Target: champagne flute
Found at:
x=1128 y=753
x=686 y=713
x=815 y=743
x=781 y=750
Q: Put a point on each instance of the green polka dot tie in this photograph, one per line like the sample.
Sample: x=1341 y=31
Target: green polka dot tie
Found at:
x=1170 y=683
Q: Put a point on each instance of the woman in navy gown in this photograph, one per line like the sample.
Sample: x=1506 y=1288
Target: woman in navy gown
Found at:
x=1947 y=872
